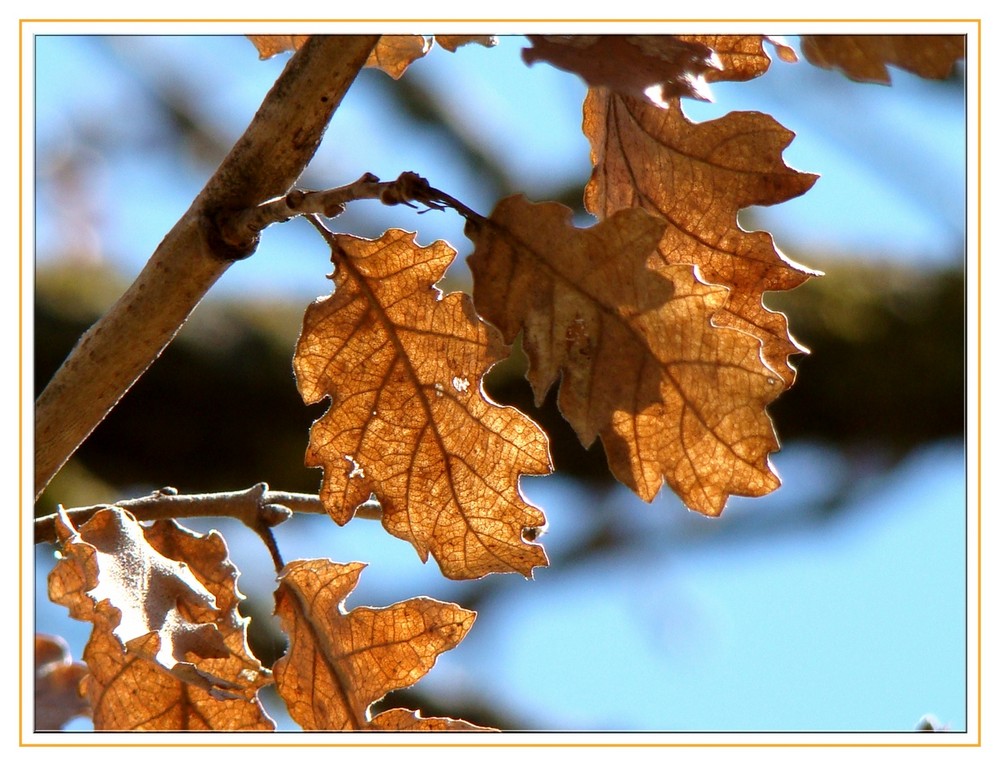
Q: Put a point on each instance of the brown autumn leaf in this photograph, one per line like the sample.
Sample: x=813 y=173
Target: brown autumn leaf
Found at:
x=740 y=57
x=340 y=662
x=271 y=45
x=393 y=54
x=653 y=67
x=671 y=65
x=642 y=365
x=454 y=42
x=57 y=684
x=865 y=57
x=696 y=177
x=399 y=719
x=168 y=648
x=409 y=421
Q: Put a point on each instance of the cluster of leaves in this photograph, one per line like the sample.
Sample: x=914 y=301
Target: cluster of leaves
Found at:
x=652 y=321
x=168 y=648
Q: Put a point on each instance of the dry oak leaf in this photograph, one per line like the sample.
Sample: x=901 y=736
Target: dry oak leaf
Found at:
x=696 y=177
x=409 y=421
x=454 y=42
x=672 y=396
x=654 y=67
x=865 y=57
x=271 y=45
x=740 y=57
x=340 y=662
x=399 y=719
x=393 y=54
x=57 y=684
x=168 y=647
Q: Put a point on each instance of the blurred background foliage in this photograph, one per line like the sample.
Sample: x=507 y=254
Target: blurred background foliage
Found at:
x=219 y=409
x=222 y=403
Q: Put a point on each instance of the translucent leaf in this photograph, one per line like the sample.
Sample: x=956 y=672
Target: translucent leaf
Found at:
x=340 y=662
x=655 y=67
x=168 y=648
x=399 y=719
x=271 y=45
x=642 y=365
x=865 y=57
x=740 y=57
x=454 y=42
x=393 y=54
x=409 y=422
x=696 y=177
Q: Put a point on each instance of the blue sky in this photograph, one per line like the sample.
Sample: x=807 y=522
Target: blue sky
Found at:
x=710 y=625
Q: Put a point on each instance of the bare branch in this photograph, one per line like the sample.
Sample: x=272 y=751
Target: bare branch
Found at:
x=329 y=203
x=257 y=507
x=407 y=189
x=264 y=163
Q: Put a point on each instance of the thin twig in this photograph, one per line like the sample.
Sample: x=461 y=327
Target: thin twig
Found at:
x=267 y=536
x=408 y=189
x=328 y=203
x=256 y=506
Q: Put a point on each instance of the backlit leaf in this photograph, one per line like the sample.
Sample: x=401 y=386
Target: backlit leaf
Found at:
x=409 y=421
x=696 y=177
x=271 y=45
x=168 y=648
x=340 y=662
x=454 y=42
x=654 y=67
x=393 y=54
x=866 y=57
x=642 y=365
x=399 y=719
x=740 y=57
